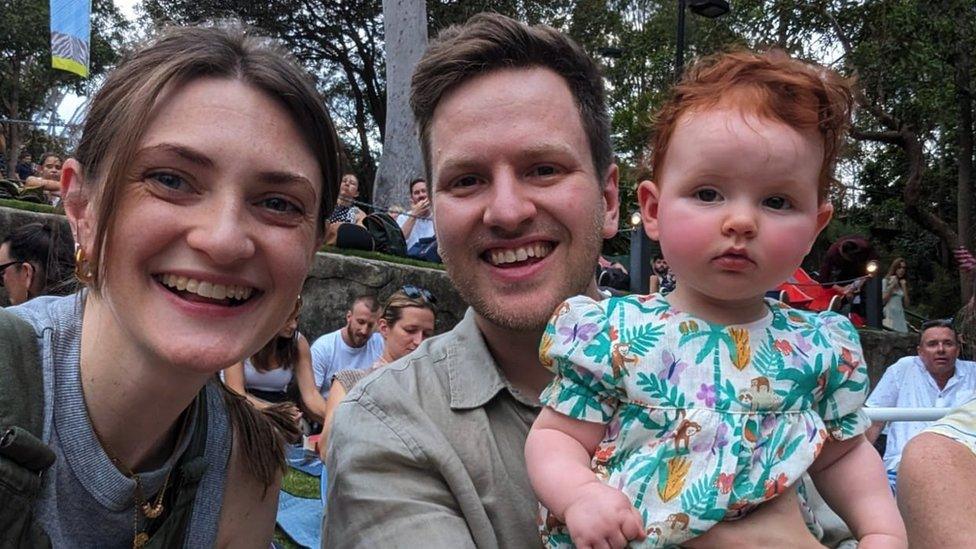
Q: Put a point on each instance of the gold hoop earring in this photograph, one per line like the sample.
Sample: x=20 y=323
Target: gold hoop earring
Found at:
x=83 y=267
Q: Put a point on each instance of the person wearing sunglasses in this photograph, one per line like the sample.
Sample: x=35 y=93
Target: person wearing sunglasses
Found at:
x=35 y=259
x=406 y=320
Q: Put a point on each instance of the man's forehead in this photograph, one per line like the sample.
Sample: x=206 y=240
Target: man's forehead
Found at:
x=937 y=333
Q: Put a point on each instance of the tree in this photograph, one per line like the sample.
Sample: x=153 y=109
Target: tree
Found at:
x=26 y=76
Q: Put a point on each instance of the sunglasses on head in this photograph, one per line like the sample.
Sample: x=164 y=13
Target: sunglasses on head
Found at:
x=416 y=292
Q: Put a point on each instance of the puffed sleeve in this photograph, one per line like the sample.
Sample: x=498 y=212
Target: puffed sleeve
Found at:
x=576 y=347
x=846 y=383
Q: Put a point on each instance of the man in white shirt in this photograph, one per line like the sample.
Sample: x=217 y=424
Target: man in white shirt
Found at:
x=936 y=378
x=355 y=346
x=417 y=224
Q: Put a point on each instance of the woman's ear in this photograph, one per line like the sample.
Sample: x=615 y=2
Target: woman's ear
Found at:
x=384 y=328
x=74 y=196
x=648 y=198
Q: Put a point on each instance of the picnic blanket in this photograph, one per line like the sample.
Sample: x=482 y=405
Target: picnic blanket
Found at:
x=303 y=460
x=301 y=519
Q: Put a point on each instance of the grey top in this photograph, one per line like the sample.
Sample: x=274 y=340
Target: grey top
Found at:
x=349 y=378
x=431 y=447
x=85 y=500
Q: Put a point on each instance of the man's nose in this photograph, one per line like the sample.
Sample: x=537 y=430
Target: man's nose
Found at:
x=509 y=206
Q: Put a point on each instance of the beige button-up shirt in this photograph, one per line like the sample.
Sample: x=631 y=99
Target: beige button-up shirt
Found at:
x=428 y=452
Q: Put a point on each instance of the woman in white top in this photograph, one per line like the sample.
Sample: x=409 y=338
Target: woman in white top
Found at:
x=894 y=292
x=264 y=378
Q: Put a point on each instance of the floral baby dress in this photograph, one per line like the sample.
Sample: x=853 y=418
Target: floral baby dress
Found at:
x=703 y=421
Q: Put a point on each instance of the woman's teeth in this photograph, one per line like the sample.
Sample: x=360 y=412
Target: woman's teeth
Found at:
x=501 y=257
x=206 y=289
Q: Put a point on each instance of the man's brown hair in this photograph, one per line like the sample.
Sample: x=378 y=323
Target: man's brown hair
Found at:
x=488 y=42
x=770 y=85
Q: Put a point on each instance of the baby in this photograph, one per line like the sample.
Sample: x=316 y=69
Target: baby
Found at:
x=669 y=413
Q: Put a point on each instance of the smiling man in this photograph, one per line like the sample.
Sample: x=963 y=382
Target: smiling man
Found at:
x=515 y=135
x=936 y=378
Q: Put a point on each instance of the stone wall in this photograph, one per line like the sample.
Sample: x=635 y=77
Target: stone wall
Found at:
x=336 y=279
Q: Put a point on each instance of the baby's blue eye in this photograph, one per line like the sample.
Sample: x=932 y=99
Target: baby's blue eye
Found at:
x=707 y=195
x=777 y=203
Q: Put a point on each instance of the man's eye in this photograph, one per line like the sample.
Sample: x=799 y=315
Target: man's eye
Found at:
x=466 y=181
x=777 y=203
x=707 y=195
x=168 y=180
x=543 y=171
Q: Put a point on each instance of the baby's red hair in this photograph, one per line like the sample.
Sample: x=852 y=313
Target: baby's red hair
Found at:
x=771 y=85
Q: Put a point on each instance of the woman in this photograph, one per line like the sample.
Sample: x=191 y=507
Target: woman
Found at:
x=406 y=320
x=35 y=259
x=286 y=360
x=894 y=293
x=206 y=170
x=49 y=178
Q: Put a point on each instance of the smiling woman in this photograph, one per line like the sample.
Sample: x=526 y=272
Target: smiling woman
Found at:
x=197 y=199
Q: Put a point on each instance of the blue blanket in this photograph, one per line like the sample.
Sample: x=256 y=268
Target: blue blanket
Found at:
x=301 y=519
x=304 y=460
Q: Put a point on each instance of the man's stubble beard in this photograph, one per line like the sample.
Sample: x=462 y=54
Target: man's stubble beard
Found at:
x=578 y=279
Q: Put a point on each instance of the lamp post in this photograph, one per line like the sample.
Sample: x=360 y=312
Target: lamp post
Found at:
x=640 y=245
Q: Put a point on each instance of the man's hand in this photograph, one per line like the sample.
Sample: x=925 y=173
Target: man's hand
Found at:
x=421 y=209
x=602 y=516
x=775 y=524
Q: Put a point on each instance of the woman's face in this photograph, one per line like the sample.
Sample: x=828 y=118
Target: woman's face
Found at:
x=16 y=277
x=215 y=230
x=901 y=270
x=51 y=168
x=415 y=325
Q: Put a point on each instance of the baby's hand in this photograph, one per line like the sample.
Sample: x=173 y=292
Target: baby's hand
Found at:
x=602 y=516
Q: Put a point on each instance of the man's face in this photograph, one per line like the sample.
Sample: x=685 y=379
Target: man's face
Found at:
x=660 y=266
x=359 y=324
x=518 y=205
x=938 y=350
x=418 y=191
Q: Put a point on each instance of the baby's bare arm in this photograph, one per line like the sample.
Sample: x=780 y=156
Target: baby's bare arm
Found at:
x=851 y=478
x=557 y=454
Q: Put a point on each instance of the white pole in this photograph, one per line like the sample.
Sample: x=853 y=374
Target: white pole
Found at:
x=906 y=414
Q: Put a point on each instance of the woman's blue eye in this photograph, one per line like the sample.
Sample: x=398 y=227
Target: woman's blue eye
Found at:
x=707 y=195
x=168 y=180
x=777 y=203
x=280 y=205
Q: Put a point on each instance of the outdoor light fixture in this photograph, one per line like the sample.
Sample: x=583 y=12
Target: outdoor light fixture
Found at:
x=635 y=219
x=709 y=8
x=871 y=268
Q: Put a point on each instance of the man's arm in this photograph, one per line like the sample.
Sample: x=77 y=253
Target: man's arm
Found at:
x=936 y=487
x=382 y=490
x=874 y=431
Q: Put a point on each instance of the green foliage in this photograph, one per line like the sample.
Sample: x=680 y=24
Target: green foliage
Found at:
x=28 y=206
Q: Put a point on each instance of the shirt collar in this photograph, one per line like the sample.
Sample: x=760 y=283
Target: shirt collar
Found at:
x=474 y=376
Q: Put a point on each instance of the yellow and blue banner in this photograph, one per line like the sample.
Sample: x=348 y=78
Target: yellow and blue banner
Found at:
x=71 y=35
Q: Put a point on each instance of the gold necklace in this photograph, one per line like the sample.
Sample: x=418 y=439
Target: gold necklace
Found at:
x=140 y=505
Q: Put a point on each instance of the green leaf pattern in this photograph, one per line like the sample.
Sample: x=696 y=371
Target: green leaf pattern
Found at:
x=691 y=433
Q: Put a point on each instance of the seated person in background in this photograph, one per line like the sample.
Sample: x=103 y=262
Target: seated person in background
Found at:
x=353 y=347
x=846 y=261
x=661 y=279
x=284 y=362
x=49 y=177
x=36 y=259
x=25 y=166
x=417 y=224
x=406 y=320
x=936 y=378
x=937 y=482
x=345 y=211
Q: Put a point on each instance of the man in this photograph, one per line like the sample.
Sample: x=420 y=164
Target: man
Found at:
x=417 y=224
x=661 y=278
x=515 y=137
x=936 y=378
x=355 y=346
x=25 y=166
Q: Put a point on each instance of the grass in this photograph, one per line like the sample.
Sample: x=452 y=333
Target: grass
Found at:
x=298 y=484
x=29 y=206
x=382 y=257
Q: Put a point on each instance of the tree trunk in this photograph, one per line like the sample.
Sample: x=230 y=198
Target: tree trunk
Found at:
x=964 y=146
x=406 y=40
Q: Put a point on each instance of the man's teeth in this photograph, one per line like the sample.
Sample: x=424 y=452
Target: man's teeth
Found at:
x=206 y=289
x=501 y=257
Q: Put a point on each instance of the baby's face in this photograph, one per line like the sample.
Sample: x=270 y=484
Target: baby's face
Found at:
x=736 y=207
